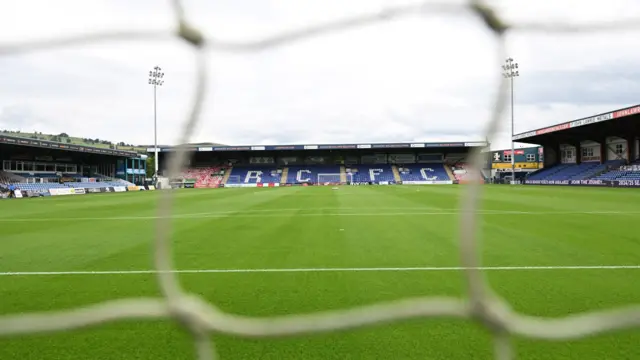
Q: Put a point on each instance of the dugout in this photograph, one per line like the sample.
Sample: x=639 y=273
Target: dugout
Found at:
x=33 y=157
x=613 y=135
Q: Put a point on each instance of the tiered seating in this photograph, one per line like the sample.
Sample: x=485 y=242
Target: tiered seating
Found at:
x=465 y=173
x=631 y=172
x=619 y=175
x=41 y=175
x=9 y=178
x=581 y=171
x=547 y=173
x=44 y=187
x=599 y=168
x=297 y=174
x=423 y=172
x=204 y=176
x=251 y=174
x=366 y=173
x=564 y=172
x=576 y=171
x=90 y=185
x=40 y=188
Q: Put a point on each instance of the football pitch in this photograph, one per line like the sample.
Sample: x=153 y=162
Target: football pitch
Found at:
x=549 y=251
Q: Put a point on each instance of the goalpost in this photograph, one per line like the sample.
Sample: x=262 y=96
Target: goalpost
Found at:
x=326 y=179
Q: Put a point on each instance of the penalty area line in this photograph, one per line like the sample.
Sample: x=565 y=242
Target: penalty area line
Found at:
x=319 y=270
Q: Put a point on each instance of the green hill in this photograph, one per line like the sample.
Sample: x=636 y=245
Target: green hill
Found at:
x=67 y=139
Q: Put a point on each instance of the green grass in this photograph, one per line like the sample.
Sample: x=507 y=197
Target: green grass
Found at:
x=306 y=227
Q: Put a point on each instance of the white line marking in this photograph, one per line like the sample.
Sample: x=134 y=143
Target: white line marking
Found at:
x=312 y=270
x=285 y=214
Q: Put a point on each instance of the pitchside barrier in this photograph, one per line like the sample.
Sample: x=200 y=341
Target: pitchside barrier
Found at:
x=427 y=182
x=260 y=185
x=594 y=183
x=200 y=318
x=96 y=190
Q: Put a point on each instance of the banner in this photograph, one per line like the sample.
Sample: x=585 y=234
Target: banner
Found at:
x=627 y=112
x=61 y=191
x=240 y=185
x=569 y=182
x=596 y=183
x=151 y=187
x=29 y=194
x=626 y=183
x=79 y=191
x=132 y=188
x=17 y=194
x=120 y=188
x=432 y=182
x=189 y=185
x=93 y=190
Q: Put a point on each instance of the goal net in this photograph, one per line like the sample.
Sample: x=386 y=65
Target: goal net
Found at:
x=201 y=318
x=328 y=179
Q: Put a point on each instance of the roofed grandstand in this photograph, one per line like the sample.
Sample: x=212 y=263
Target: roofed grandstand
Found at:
x=38 y=167
x=399 y=163
x=601 y=150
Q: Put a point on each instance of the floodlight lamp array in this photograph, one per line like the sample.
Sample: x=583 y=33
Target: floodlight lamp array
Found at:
x=510 y=69
x=156 y=76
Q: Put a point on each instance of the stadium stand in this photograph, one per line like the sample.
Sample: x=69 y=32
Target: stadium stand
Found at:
x=625 y=172
x=39 y=188
x=253 y=174
x=309 y=174
x=89 y=185
x=9 y=178
x=370 y=173
x=205 y=176
x=424 y=172
x=599 y=150
x=462 y=172
x=581 y=171
x=44 y=187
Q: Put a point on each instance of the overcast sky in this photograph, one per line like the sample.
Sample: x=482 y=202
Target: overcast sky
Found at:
x=419 y=78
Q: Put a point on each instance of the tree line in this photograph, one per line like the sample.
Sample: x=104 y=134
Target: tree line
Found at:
x=63 y=137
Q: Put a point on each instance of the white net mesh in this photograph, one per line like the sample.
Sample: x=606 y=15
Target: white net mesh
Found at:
x=201 y=318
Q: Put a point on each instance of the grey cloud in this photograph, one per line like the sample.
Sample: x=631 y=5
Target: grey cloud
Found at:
x=347 y=88
x=602 y=85
x=16 y=117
